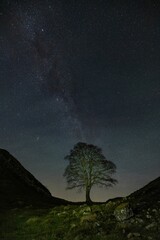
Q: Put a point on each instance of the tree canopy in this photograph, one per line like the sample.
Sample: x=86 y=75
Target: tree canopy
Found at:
x=88 y=167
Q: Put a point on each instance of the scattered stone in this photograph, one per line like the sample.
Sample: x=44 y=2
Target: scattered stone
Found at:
x=132 y=220
x=123 y=212
x=136 y=234
x=154 y=210
x=139 y=220
x=74 y=212
x=88 y=218
x=152 y=225
x=132 y=235
x=85 y=210
x=32 y=220
x=97 y=224
x=61 y=213
x=73 y=225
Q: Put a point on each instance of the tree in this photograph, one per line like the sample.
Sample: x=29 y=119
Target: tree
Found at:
x=88 y=167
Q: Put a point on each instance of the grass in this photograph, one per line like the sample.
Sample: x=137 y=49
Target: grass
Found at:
x=64 y=222
x=73 y=222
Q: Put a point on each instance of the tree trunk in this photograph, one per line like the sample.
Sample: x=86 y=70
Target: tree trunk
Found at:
x=88 y=199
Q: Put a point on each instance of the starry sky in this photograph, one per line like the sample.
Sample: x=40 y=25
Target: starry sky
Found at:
x=86 y=71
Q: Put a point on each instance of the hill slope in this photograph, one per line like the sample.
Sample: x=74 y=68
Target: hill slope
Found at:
x=152 y=188
x=147 y=196
x=18 y=187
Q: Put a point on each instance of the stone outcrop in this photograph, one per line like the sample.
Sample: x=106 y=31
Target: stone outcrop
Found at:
x=123 y=212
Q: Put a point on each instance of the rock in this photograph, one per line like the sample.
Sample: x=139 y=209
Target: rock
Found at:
x=61 y=213
x=32 y=220
x=123 y=212
x=152 y=225
x=85 y=210
x=88 y=218
x=132 y=221
x=139 y=220
x=130 y=235
x=136 y=234
x=154 y=210
x=133 y=235
x=97 y=224
x=73 y=225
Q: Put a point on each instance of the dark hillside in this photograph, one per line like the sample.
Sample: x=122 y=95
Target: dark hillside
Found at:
x=148 y=195
x=18 y=187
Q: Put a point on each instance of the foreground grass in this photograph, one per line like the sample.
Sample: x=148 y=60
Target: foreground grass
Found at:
x=65 y=222
x=72 y=222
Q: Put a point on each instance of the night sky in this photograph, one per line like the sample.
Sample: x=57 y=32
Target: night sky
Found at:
x=86 y=71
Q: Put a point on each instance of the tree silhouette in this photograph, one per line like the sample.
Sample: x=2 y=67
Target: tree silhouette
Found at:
x=88 y=167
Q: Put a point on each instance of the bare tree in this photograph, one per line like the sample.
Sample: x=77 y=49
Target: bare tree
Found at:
x=88 y=167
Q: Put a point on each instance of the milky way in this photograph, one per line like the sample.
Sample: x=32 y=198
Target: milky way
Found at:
x=37 y=40
x=81 y=71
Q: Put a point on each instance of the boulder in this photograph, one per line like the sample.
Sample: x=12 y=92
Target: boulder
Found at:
x=88 y=218
x=133 y=235
x=151 y=225
x=123 y=212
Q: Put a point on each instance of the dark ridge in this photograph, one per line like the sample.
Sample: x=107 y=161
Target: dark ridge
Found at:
x=9 y=162
x=146 y=196
x=18 y=187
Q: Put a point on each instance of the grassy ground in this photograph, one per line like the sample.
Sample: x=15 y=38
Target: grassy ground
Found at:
x=65 y=222
x=72 y=222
